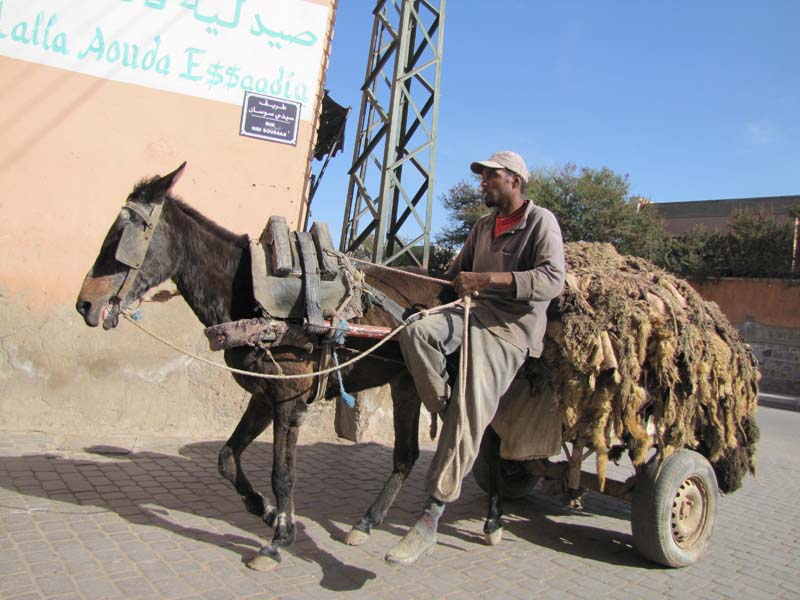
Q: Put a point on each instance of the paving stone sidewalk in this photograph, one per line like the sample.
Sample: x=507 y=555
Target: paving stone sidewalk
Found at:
x=145 y=518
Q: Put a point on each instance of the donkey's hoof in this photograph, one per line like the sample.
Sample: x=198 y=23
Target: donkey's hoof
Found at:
x=356 y=537
x=261 y=563
x=494 y=538
x=266 y=559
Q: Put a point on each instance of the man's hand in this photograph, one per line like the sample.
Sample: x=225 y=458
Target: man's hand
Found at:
x=468 y=283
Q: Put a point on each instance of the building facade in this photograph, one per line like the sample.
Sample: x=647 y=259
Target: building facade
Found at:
x=682 y=217
x=96 y=95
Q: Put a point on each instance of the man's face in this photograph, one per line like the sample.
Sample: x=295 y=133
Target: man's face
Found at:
x=496 y=184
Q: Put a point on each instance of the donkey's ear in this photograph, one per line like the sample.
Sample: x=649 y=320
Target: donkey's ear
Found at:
x=162 y=185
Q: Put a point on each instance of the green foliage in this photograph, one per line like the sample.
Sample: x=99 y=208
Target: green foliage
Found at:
x=590 y=205
x=593 y=205
x=464 y=203
x=688 y=254
x=758 y=246
x=755 y=245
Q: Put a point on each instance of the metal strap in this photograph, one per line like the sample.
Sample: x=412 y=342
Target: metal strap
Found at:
x=151 y=219
x=147 y=217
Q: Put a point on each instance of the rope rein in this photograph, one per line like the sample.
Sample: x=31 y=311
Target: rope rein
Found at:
x=450 y=475
x=128 y=316
x=404 y=272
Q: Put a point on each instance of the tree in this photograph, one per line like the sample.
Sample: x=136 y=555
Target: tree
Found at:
x=464 y=203
x=758 y=246
x=754 y=245
x=593 y=205
x=590 y=204
x=688 y=254
x=465 y=206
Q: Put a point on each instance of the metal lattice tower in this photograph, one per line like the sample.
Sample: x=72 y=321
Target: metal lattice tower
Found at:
x=390 y=195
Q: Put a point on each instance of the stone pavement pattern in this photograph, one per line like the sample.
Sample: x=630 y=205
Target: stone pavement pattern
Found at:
x=152 y=519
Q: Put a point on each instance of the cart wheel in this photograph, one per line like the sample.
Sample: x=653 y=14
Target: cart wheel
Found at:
x=674 y=508
x=515 y=481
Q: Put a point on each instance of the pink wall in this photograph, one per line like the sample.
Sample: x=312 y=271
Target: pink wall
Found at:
x=771 y=302
x=72 y=147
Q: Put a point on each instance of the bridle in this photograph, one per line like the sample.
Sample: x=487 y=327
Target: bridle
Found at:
x=131 y=250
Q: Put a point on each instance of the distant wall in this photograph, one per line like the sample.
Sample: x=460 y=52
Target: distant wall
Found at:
x=771 y=302
x=767 y=314
x=716 y=215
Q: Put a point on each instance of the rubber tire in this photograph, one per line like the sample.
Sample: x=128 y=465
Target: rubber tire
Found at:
x=515 y=481
x=651 y=512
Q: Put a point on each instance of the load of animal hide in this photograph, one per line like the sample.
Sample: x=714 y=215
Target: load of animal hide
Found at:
x=637 y=360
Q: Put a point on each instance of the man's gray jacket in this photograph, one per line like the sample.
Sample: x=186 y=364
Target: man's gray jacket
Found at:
x=533 y=252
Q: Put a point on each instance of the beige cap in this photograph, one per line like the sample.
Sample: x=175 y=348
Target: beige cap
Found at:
x=504 y=159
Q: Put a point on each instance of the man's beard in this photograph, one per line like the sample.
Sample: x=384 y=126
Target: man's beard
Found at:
x=488 y=201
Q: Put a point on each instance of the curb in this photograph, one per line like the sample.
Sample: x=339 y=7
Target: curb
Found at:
x=777 y=401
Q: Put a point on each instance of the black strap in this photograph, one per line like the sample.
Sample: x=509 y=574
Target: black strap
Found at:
x=380 y=299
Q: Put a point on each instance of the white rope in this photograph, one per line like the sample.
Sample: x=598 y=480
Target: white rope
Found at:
x=461 y=400
x=352 y=361
x=403 y=271
x=268 y=352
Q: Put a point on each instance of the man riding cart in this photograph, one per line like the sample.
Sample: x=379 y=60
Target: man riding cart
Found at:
x=513 y=262
x=627 y=359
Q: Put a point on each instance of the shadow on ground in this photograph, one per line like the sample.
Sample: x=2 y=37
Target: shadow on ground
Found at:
x=335 y=484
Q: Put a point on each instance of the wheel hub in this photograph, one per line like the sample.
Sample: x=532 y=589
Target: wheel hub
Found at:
x=689 y=511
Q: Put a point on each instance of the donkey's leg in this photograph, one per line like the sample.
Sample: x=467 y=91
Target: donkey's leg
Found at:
x=490 y=448
x=283 y=475
x=255 y=420
x=406 y=404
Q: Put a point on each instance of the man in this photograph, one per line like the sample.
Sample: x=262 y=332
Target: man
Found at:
x=513 y=262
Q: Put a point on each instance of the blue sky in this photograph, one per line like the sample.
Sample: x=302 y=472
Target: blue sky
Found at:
x=693 y=100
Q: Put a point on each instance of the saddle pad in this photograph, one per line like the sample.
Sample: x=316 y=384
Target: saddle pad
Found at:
x=279 y=282
x=529 y=425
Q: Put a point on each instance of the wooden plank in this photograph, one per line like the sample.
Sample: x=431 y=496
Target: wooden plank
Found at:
x=311 y=282
x=328 y=265
x=297 y=265
x=276 y=235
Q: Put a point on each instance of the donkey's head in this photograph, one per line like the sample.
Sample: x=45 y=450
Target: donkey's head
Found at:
x=137 y=254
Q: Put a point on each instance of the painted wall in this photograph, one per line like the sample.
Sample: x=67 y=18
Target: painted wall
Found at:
x=772 y=302
x=82 y=122
x=765 y=311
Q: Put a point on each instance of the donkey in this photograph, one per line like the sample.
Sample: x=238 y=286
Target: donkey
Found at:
x=211 y=268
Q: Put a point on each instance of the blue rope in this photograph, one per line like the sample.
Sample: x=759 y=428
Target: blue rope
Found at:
x=348 y=399
x=341 y=331
x=338 y=339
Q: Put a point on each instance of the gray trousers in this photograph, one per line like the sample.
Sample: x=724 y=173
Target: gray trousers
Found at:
x=492 y=365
